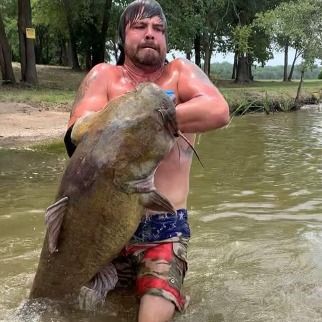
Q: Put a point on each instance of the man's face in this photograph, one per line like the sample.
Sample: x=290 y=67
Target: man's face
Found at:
x=145 y=41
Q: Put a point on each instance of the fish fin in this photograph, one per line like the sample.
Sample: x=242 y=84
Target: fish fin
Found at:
x=54 y=218
x=81 y=126
x=143 y=185
x=155 y=201
x=94 y=293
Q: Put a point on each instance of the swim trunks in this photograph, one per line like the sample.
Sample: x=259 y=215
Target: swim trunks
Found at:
x=154 y=262
x=154 y=268
x=158 y=227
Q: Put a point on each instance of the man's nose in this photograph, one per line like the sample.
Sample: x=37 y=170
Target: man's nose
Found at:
x=149 y=33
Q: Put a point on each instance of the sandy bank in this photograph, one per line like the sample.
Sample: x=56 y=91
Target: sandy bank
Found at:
x=23 y=125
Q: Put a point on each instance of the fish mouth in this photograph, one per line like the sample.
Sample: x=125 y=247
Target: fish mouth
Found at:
x=169 y=121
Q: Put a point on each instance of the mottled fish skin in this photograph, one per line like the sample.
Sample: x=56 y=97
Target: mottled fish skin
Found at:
x=106 y=186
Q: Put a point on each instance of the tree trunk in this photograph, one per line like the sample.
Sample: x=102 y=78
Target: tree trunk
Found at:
x=72 y=37
x=99 y=47
x=88 y=60
x=40 y=35
x=63 y=59
x=197 y=46
x=208 y=47
x=206 y=66
x=293 y=65
x=242 y=75
x=297 y=98
x=233 y=75
x=188 y=55
x=250 y=64
x=5 y=56
x=285 y=62
x=27 y=46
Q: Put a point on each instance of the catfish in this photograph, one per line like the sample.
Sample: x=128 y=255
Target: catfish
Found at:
x=104 y=191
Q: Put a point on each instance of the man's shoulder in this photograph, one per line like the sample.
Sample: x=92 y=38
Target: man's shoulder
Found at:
x=104 y=67
x=104 y=73
x=180 y=64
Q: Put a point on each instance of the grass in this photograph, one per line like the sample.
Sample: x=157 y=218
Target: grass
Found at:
x=268 y=95
x=57 y=88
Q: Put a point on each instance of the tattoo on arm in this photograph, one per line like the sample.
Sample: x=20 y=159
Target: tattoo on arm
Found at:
x=82 y=90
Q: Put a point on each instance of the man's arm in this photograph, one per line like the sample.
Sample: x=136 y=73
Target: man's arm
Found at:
x=203 y=107
x=92 y=95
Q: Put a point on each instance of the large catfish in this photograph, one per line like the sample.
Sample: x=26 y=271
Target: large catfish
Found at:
x=106 y=186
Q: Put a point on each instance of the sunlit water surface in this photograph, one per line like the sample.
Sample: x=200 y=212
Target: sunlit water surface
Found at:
x=255 y=214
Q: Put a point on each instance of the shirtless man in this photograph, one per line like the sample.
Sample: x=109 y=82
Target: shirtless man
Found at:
x=158 y=248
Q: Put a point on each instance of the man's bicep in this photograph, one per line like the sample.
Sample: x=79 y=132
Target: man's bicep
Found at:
x=194 y=82
x=87 y=105
x=91 y=96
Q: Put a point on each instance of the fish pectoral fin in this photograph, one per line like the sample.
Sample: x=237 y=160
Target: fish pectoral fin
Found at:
x=54 y=218
x=155 y=201
x=142 y=185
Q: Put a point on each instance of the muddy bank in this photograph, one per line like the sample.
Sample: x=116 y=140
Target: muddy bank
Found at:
x=24 y=125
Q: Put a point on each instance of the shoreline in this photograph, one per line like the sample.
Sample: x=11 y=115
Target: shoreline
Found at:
x=24 y=125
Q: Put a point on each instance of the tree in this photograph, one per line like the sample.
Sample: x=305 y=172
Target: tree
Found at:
x=245 y=38
x=72 y=34
x=184 y=25
x=5 y=56
x=196 y=26
x=293 y=24
x=27 y=48
x=52 y=37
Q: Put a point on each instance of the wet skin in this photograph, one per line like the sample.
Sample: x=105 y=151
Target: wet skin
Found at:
x=200 y=106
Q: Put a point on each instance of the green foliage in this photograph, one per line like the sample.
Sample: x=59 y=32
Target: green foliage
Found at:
x=298 y=24
x=184 y=22
x=320 y=75
x=222 y=26
x=241 y=36
x=9 y=14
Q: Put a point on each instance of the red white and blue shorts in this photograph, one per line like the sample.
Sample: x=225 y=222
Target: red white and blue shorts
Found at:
x=155 y=268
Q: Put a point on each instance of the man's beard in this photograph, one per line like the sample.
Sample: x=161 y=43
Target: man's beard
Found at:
x=148 y=57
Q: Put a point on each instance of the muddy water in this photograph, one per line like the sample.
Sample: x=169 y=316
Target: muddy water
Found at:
x=255 y=214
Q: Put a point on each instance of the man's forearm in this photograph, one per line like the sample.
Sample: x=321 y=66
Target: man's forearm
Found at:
x=201 y=114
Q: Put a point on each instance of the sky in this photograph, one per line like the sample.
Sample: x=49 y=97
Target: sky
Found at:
x=277 y=60
x=219 y=58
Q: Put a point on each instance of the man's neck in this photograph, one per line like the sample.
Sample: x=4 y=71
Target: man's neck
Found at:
x=145 y=74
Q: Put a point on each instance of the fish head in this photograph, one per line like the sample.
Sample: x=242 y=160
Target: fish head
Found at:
x=150 y=133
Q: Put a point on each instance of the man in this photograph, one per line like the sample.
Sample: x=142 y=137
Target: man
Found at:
x=157 y=251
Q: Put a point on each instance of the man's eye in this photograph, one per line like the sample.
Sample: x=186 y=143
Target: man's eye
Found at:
x=159 y=29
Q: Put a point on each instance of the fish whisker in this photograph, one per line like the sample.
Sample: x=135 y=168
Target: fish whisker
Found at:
x=180 y=134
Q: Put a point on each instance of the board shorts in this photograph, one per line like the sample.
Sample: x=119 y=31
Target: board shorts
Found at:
x=156 y=269
x=153 y=262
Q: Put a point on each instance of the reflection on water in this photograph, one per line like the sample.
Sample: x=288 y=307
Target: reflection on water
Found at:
x=255 y=214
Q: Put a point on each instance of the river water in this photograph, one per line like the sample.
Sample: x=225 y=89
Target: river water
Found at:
x=255 y=214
